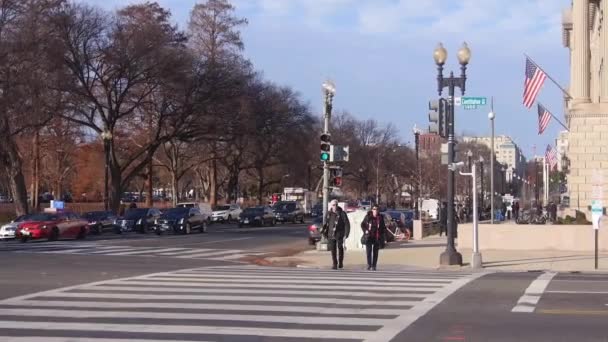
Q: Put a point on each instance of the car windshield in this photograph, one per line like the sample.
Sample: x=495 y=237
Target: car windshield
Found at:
x=222 y=207
x=285 y=206
x=135 y=213
x=366 y=203
x=43 y=217
x=92 y=215
x=23 y=218
x=176 y=212
x=252 y=210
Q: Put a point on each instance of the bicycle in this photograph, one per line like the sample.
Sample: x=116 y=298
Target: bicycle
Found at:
x=401 y=235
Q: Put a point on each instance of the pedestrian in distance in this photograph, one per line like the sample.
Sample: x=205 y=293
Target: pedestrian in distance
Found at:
x=374 y=230
x=336 y=230
x=516 y=211
x=443 y=219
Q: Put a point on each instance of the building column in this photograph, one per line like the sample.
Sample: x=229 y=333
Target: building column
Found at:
x=581 y=53
x=604 y=53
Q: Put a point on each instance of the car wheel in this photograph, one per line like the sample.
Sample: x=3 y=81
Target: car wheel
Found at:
x=203 y=227
x=229 y=218
x=188 y=228
x=311 y=241
x=302 y=219
x=240 y=225
x=54 y=234
x=23 y=240
x=82 y=233
x=274 y=222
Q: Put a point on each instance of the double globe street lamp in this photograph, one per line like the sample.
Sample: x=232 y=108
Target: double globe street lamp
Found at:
x=450 y=256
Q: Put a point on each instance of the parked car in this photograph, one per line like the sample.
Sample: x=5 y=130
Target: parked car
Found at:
x=8 y=230
x=226 y=213
x=317 y=210
x=181 y=221
x=257 y=216
x=100 y=220
x=288 y=211
x=52 y=226
x=314 y=230
x=137 y=219
x=205 y=208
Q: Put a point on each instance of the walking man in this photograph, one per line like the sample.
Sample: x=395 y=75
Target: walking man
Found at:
x=336 y=230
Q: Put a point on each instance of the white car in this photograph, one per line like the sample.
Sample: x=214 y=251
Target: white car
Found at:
x=226 y=213
x=8 y=230
x=205 y=208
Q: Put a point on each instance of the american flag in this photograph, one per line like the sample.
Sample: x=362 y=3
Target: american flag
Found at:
x=544 y=117
x=551 y=156
x=534 y=81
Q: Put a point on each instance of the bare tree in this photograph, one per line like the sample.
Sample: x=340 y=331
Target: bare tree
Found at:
x=28 y=77
x=118 y=65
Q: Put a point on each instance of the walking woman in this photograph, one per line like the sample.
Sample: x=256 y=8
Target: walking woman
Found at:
x=374 y=231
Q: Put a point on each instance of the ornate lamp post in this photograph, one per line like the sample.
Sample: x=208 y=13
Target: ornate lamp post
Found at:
x=451 y=256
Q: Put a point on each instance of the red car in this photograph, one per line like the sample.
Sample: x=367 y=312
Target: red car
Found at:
x=53 y=226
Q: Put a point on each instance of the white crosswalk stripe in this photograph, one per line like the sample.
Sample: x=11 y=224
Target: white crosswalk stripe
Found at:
x=134 y=251
x=231 y=303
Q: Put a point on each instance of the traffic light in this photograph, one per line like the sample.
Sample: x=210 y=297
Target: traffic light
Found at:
x=325 y=147
x=438 y=122
x=336 y=176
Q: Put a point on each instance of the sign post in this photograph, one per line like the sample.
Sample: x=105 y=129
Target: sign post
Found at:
x=596 y=215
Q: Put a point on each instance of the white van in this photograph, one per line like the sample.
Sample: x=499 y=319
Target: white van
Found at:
x=205 y=208
x=431 y=206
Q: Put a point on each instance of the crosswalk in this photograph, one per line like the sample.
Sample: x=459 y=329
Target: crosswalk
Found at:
x=135 y=251
x=231 y=303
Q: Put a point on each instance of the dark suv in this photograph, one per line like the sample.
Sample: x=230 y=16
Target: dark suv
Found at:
x=288 y=211
x=138 y=219
x=99 y=220
x=181 y=221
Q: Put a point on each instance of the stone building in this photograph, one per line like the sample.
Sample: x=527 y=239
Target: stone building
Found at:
x=507 y=152
x=585 y=33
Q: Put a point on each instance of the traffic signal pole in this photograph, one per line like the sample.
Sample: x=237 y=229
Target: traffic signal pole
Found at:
x=328 y=90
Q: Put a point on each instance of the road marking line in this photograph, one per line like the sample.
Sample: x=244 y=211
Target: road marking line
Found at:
x=213 y=253
x=186 y=251
x=365 y=294
x=309 y=281
x=253 y=276
x=242 y=298
x=67 y=313
x=152 y=250
x=573 y=312
x=578 y=292
x=527 y=302
x=208 y=306
x=187 y=329
x=395 y=289
x=79 y=339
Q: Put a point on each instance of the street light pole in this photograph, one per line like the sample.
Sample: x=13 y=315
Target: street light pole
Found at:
x=491 y=116
x=469 y=157
x=106 y=136
x=329 y=89
x=450 y=256
x=419 y=185
x=482 y=204
x=476 y=257
x=378 y=178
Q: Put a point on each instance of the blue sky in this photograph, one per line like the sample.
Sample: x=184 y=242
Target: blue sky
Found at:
x=379 y=54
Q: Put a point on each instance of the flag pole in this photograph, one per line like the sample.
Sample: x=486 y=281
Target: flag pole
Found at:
x=556 y=119
x=549 y=77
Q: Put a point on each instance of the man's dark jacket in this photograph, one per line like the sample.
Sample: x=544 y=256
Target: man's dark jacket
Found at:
x=338 y=226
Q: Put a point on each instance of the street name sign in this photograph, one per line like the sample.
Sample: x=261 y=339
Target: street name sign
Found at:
x=468 y=102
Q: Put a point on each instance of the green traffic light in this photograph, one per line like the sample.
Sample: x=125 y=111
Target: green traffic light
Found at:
x=324 y=156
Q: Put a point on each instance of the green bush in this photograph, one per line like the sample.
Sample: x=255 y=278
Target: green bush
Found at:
x=581 y=218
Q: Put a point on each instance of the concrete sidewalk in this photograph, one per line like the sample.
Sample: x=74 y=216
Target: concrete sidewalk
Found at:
x=425 y=255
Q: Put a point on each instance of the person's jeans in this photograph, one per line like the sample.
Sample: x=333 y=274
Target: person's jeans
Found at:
x=372 y=247
x=337 y=250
